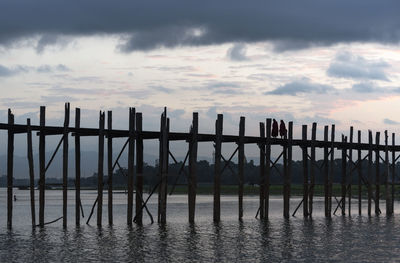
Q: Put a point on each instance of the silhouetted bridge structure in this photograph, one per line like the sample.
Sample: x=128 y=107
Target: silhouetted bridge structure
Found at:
x=351 y=164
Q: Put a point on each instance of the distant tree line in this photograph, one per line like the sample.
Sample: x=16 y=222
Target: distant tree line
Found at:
x=205 y=174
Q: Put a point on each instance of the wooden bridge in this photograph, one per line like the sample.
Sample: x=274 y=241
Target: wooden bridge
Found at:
x=351 y=164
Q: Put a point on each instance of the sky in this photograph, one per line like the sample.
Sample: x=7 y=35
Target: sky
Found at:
x=330 y=62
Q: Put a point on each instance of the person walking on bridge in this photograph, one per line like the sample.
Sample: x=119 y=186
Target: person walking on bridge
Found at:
x=275 y=129
x=282 y=130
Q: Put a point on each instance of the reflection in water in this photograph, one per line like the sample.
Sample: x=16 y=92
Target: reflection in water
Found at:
x=356 y=238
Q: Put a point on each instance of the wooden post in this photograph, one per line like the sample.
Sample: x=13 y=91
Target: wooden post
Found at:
x=312 y=168
x=393 y=171
x=162 y=212
x=100 y=172
x=42 y=167
x=10 y=169
x=343 y=181
x=387 y=195
x=110 y=167
x=359 y=171
x=77 y=168
x=267 y=166
x=65 y=164
x=332 y=162
x=350 y=176
x=192 y=184
x=326 y=172
x=287 y=160
x=369 y=172
x=377 y=178
x=262 y=170
x=217 y=168
x=241 y=165
x=31 y=170
x=305 y=171
x=131 y=159
x=139 y=168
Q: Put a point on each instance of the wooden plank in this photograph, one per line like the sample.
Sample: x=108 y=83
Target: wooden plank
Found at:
x=10 y=169
x=393 y=171
x=65 y=164
x=350 y=175
x=326 y=172
x=42 y=165
x=359 y=172
x=343 y=177
x=331 y=172
x=386 y=178
x=369 y=172
x=110 y=169
x=305 y=172
x=267 y=166
x=100 y=170
x=262 y=171
x=192 y=182
x=287 y=160
x=77 y=168
x=312 y=167
x=377 y=175
x=241 y=165
x=163 y=168
x=31 y=171
x=217 y=168
x=139 y=169
x=131 y=156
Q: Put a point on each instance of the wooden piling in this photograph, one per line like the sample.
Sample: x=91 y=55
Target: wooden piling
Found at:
x=350 y=176
x=217 y=168
x=262 y=171
x=287 y=171
x=377 y=175
x=312 y=168
x=110 y=170
x=77 y=168
x=100 y=172
x=65 y=164
x=331 y=172
x=192 y=184
x=42 y=165
x=386 y=178
x=241 y=165
x=393 y=171
x=369 y=172
x=343 y=177
x=326 y=172
x=31 y=170
x=359 y=172
x=305 y=171
x=10 y=169
x=267 y=166
x=163 y=163
x=139 y=168
x=131 y=156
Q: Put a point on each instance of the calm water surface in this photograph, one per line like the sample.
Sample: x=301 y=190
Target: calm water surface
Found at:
x=349 y=239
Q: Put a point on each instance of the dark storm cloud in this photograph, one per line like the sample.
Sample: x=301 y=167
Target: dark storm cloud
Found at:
x=290 y=24
x=347 y=65
x=300 y=87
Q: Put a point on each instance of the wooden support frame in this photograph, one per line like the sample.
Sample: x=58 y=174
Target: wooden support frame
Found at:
x=305 y=173
x=262 y=172
x=359 y=173
x=192 y=182
x=312 y=168
x=369 y=172
x=10 y=170
x=139 y=169
x=217 y=168
x=31 y=171
x=377 y=174
x=110 y=169
x=241 y=158
x=42 y=168
x=77 y=168
x=100 y=169
x=267 y=166
x=131 y=160
x=65 y=164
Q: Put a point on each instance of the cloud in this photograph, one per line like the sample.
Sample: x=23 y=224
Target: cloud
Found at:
x=302 y=86
x=8 y=72
x=229 y=88
x=147 y=25
x=349 y=66
x=237 y=52
x=162 y=89
x=364 y=87
x=390 y=122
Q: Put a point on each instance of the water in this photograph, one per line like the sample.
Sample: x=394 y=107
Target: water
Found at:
x=351 y=239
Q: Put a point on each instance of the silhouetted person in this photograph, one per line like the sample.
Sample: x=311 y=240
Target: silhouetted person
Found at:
x=274 y=132
x=282 y=129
